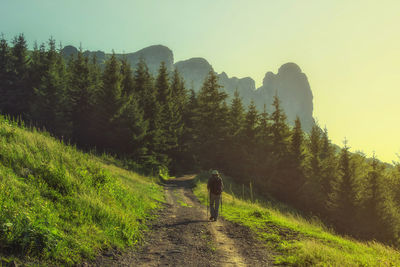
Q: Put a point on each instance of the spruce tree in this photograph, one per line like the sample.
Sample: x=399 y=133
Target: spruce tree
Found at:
x=5 y=75
x=312 y=194
x=49 y=93
x=296 y=144
x=250 y=125
x=178 y=105
x=236 y=116
x=189 y=134
x=147 y=99
x=122 y=126
x=280 y=151
x=328 y=168
x=249 y=139
x=162 y=85
x=111 y=103
x=293 y=177
x=209 y=122
x=344 y=197
x=111 y=97
x=168 y=140
x=81 y=101
x=232 y=148
x=279 y=129
x=374 y=199
x=315 y=151
x=264 y=133
x=264 y=142
x=127 y=83
x=18 y=93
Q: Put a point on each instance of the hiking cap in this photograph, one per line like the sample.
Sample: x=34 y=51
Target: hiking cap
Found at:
x=215 y=172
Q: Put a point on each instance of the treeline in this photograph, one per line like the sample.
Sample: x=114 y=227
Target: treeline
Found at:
x=156 y=123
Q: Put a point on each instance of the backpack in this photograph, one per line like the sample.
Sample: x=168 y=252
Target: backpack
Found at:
x=216 y=185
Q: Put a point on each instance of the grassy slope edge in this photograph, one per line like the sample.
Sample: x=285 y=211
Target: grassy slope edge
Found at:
x=58 y=204
x=296 y=241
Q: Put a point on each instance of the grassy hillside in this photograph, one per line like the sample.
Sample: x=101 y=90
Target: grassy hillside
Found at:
x=297 y=241
x=61 y=205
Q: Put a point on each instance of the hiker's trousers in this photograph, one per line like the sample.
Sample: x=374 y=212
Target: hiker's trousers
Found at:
x=214 y=204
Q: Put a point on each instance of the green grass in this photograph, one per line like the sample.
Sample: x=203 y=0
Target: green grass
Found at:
x=59 y=205
x=295 y=240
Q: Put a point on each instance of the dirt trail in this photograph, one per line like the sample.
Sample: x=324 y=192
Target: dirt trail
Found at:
x=182 y=236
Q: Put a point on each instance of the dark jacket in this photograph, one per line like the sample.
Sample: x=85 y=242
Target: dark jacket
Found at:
x=215 y=185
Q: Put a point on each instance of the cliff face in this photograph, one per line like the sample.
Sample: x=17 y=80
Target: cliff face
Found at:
x=153 y=56
x=193 y=71
x=290 y=84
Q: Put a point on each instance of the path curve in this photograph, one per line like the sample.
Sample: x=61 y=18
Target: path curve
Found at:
x=182 y=236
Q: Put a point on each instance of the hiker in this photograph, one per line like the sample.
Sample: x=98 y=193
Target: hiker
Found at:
x=215 y=187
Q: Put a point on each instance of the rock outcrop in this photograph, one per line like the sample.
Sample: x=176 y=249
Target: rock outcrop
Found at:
x=245 y=86
x=193 y=71
x=290 y=84
x=153 y=56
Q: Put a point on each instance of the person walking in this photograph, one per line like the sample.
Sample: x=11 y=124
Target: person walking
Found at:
x=215 y=188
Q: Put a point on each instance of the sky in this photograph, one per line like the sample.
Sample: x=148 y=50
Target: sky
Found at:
x=349 y=50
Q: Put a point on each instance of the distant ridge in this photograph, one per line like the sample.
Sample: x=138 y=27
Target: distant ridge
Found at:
x=290 y=83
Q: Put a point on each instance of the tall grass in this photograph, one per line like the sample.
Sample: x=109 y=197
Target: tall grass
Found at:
x=295 y=240
x=58 y=204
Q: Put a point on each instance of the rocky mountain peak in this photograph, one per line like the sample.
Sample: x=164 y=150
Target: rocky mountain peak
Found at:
x=289 y=68
x=290 y=83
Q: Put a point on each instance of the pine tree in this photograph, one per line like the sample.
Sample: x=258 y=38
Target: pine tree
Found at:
x=264 y=143
x=328 y=168
x=147 y=99
x=127 y=83
x=123 y=126
x=279 y=130
x=46 y=106
x=344 y=197
x=179 y=92
x=209 y=122
x=312 y=194
x=374 y=199
x=264 y=133
x=18 y=94
x=293 y=177
x=280 y=151
x=162 y=85
x=111 y=103
x=315 y=148
x=168 y=139
x=189 y=111
x=81 y=102
x=111 y=97
x=249 y=140
x=250 y=127
x=4 y=56
x=189 y=134
x=236 y=116
x=296 y=144
x=5 y=75
x=232 y=148
x=178 y=105
x=130 y=130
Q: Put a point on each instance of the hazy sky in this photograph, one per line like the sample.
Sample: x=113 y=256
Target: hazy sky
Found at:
x=349 y=50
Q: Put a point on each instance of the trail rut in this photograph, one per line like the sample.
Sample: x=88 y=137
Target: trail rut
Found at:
x=182 y=236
